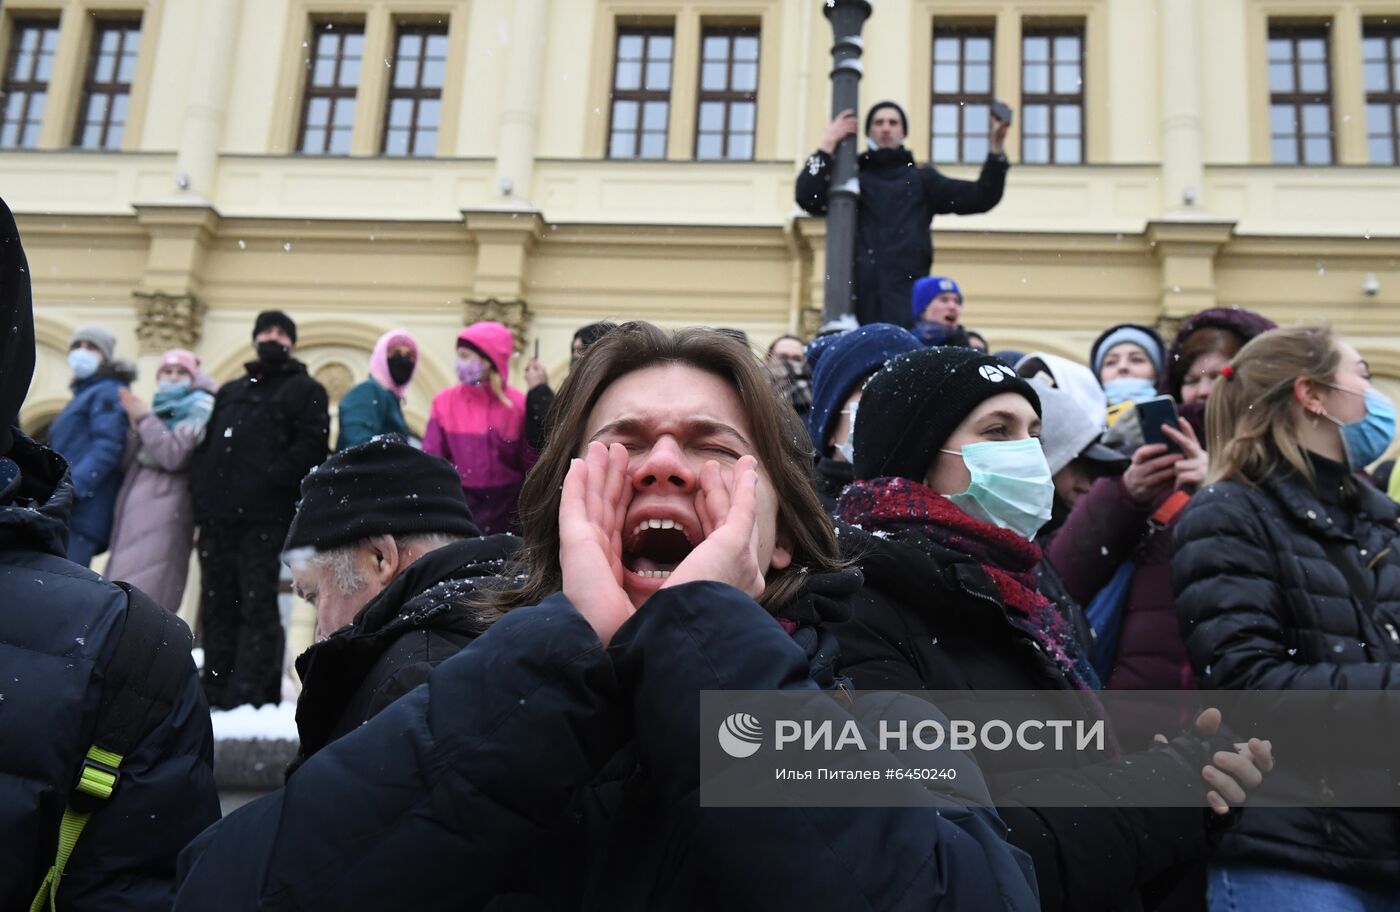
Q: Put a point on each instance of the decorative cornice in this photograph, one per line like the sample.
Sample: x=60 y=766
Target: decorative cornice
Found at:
x=165 y=321
x=514 y=314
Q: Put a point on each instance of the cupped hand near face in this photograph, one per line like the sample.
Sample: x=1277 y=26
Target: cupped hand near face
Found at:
x=728 y=519
x=592 y=506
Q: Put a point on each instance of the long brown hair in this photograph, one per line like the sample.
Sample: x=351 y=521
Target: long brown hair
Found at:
x=776 y=435
x=1251 y=415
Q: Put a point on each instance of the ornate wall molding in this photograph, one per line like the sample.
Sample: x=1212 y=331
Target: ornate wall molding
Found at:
x=514 y=314
x=165 y=321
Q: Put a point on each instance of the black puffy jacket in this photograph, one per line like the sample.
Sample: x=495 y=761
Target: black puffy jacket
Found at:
x=418 y=621
x=898 y=201
x=454 y=797
x=1265 y=605
x=59 y=626
x=269 y=428
x=930 y=618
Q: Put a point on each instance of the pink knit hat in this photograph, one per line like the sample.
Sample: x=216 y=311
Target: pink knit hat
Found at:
x=186 y=360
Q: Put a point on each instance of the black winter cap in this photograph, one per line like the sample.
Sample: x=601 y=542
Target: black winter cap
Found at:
x=381 y=487
x=912 y=406
x=870 y=115
x=270 y=318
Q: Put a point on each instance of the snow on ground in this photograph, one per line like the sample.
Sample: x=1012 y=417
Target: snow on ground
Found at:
x=265 y=722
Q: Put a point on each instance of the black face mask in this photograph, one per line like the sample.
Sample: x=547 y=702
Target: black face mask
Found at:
x=273 y=353
x=400 y=368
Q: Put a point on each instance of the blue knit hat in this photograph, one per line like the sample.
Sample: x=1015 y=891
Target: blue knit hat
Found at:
x=930 y=287
x=843 y=363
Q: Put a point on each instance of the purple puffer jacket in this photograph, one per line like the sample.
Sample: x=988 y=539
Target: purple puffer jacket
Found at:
x=1104 y=529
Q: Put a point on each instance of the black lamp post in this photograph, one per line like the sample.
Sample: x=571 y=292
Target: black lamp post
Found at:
x=847 y=18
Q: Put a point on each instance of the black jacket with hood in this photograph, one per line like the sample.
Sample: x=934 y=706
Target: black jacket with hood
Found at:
x=59 y=626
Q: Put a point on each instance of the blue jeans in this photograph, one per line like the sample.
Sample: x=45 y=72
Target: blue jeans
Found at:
x=1244 y=888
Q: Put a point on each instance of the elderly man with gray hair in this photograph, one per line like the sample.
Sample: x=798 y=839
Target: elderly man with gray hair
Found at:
x=384 y=547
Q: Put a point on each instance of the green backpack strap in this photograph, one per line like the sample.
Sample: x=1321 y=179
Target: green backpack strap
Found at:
x=140 y=685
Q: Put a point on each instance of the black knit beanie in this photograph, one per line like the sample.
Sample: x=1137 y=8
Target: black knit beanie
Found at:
x=870 y=115
x=382 y=487
x=270 y=318
x=912 y=406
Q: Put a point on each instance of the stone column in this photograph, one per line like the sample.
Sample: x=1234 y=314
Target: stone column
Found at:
x=1187 y=251
x=1183 y=170
x=202 y=132
x=520 y=104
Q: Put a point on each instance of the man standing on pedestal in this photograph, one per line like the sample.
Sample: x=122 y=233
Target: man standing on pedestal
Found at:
x=269 y=428
x=898 y=201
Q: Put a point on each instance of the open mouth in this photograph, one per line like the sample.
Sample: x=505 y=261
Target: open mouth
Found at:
x=654 y=547
x=951 y=319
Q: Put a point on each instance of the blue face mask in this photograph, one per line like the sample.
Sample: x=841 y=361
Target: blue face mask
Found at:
x=1366 y=440
x=83 y=363
x=1011 y=485
x=173 y=388
x=1129 y=389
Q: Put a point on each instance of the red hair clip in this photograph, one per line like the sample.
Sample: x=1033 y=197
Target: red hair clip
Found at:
x=1227 y=372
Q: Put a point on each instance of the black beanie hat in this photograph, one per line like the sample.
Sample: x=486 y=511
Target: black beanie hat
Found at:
x=382 y=487
x=870 y=115
x=912 y=406
x=270 y=318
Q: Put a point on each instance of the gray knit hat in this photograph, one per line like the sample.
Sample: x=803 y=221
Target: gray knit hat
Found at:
x=97 y=335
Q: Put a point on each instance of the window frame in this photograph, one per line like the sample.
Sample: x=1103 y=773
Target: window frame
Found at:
x=1297 y=98
x=641 y=95
x=31 y=86
x=417 y=93
x=124 y=23
x=729 y=96
x=962 y=98
x=1052 y=99
x=342 y=28
x=1390 y=35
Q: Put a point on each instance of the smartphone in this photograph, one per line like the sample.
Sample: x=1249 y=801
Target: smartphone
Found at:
x=1154 y=413
x=1002 y=112
x=537 y=349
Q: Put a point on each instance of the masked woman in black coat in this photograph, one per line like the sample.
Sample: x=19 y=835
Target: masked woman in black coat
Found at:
x=951 y=486
x=1287 y=577
x=672 y=544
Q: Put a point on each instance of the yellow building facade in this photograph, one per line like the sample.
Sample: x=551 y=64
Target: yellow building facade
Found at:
x=189 y=196
x=204 y=211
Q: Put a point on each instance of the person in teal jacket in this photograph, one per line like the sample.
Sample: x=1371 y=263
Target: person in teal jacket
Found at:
x=373 y=407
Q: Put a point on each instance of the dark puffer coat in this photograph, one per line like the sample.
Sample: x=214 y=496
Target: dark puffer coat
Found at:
x=930 y=618
x=403 y=633
x=454 y=797
x=269 y=428
x=59 y=627
x=1265 y=605
x=898 y=201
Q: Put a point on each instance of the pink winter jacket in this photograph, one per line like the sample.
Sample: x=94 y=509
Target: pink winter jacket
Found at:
x=471 y=428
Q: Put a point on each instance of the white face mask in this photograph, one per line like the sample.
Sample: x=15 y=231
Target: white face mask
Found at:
x=1012 y=486
x=83 y=363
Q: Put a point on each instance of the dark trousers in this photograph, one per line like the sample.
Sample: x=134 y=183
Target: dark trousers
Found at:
x=243 y=638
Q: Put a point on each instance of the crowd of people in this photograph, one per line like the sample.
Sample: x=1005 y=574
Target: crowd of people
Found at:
x=516 y=610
